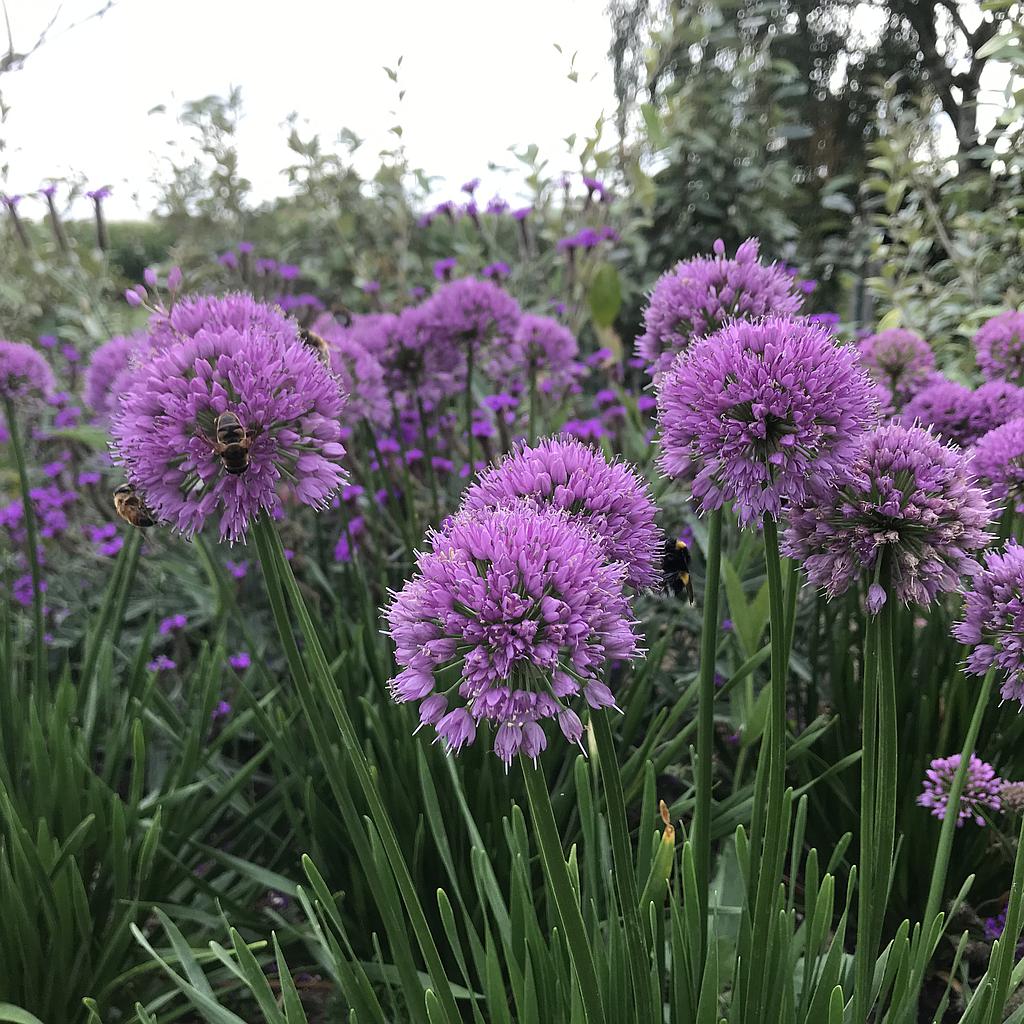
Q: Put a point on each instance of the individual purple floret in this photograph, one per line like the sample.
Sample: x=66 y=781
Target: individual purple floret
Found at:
x=999 y=347
x=108 y=370
x=282 y=401
x=700 y=295
x=511 y=619
x=610 y=498
x=999 y=464
x=758 y=412
x=900 y=359
x=993 y=622
x=24 y=374
x=980 y=792
x=907 y=499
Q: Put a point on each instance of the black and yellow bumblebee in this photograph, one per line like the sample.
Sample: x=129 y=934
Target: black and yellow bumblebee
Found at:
x=313 y=341
x=131 y=507
x=675 y=565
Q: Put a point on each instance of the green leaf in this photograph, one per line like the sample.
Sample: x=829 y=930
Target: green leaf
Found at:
x=16 y=1015
x=605 y=295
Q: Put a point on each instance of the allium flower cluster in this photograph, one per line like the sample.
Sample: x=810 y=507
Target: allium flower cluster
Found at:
x=758 y=412
x=421 y=362
x=108 y=371
x=550 y=349
x=980 y=792
x=360 y=373
x=907 y=498
x=700 y=295
x=236 y=310
x=999 y=347
x=993 y=623
x=24 y=373
x=479 y=316
x=946 y=407
x=609 y=498
x=900 y=359
x=999 y=464
x=511 y=619
x=995 y=403
x=286 y=402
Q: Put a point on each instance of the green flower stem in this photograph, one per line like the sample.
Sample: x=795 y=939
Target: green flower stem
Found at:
x=281 y=582
x=532 y=430
x=1006 y=956
x=625 y=878
x=557 y=875
x=428 y=454
x=32 y=543
x=706 y=728
x=469 y=407
x=941 y=865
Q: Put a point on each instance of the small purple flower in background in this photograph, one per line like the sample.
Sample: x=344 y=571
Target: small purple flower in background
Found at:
x=726 y=626
x=900 y=359
x=999 y=347
x=993 y=622
x=757 y=412
x=443 y=268
x=496 y=206
x=245 y=248
x=22 y=590
x=370 y=287
x=48 y=341
x=220 y=711
x=998 y=463
x=11 y=202
x=980 y=792
x=496 y=271
x=264 y=266
x=609 y=498
x=471 y=186
x=522 y=213
x=228 y=259
x=172 y=624
x=98 y=195
x=700 y=295
x=288 y=271
x=108 y=372
x=830 y=320
x=595 y=189
x=905 y=496
x=240 y=661
x=346 y=546
x=161 y=663
x=25 y=376
x=237 y=570
x=284 y=399
x=524 y=606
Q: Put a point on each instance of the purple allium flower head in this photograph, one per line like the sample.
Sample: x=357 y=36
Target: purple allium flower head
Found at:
x=228 y=259
x=496 y=205
x=996 y=402
x=25 y=376
x=212 y=313
x=285 y=399
x=497 y=271
x=900 y=359
x=999 y=464
x=108 y=371
x=420 y=361
x=980 y=792
x=758 y=411
x=946 y=407
x=98 y=195
x=999 y=347
x=471 y=186
x=550 y=348
x=906 y=498
x=993 y=622
x=479 y=314
x=360 y=373
x=702 y=294
x=610 y=498
x=522 y=213
x=49 y=190
x=523 y=606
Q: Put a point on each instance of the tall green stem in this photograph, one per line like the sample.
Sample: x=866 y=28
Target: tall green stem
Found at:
x=557 y=875
x=625 y=878
x=706 y=728
x=469 y=406
x=32 y=542
x=941 y=865
x=532 y=429
x=279 y=575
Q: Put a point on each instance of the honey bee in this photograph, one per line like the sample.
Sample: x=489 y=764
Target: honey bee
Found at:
x=317 y=344
x=131 y=508
x=675 y=565
x=231 y=441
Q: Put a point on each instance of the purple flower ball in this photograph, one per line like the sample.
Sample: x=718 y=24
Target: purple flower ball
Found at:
x=996 y=402
x=757 y=412
x=999 y=464
x=511 y=619
x=420 y=362
x=980 y=792
x=944 y=406
x=609 y=498
x=999 y=347
x=907 y=498
x=360 y=373
x=284 y=398
x=993 y=622
x=108 y=371
x=900 y=359
x=24 y=374
x=700 y=295
x=550 y=348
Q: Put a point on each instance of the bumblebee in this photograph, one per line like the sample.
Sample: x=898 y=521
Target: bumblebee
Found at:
x=231 y=441
x=675 y=564
x=317 y=344
x=131 y=508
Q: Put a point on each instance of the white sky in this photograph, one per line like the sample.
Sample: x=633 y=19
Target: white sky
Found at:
x=479 y=77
